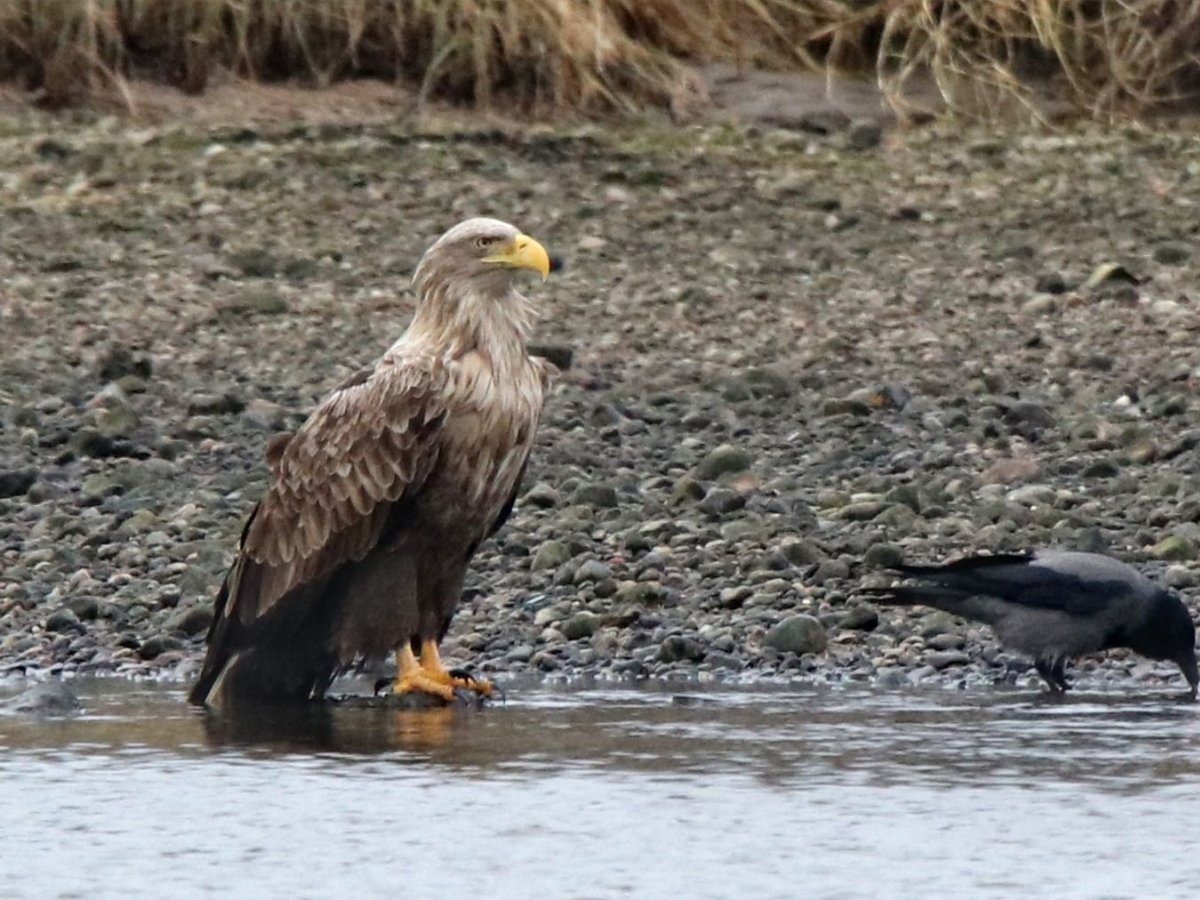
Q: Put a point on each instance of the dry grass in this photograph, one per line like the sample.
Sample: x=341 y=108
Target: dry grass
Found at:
x=1101 y=58
x=1105 y=57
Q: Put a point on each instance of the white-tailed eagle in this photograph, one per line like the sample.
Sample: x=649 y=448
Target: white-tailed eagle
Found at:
x=380 y=499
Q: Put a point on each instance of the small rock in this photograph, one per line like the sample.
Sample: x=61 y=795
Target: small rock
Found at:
x=16 y=482
x=1032 y=495
x=723 y=460
x=118 y=361
x=63 y=619
x=642 y=593
x=192 y=621
x=770 y=382
x=215 y=404
x=592 y=570
x=1101 y=468
x=300 y=268
x=719 y=501
x=801 y=553
x=882 y=556
x=1174 y=548
x=822 y=121
x=718 y=660
x=580 y=625
x=797 y=634
x=255 y=262
x=86 y=608
x=837 y=406
x=1011 y=470
x=599 y=496
x=140 y=522
x=1180 y=577
x=541 y=496
x=1172 y=254
x=937 y=623
x=265 y=414
x=862 y=511
x=680 y=649
x=734 y=597
x=830 y=569
x=859 y=618
x=152 y=647
x=53 y=149
x=550 y=555
x=265 y=301
x=944 y=658
x=1050 y=283
x=112 y=413
x=622 y=618
x=1029 y=413
x=100 y=485
x=948 y=640
x=605 y=415
x=687 y=489
x=864 y=134
x=548 y=614
x=519 y=653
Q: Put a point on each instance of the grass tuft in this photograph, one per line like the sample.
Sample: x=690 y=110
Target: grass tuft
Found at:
x=985 y=57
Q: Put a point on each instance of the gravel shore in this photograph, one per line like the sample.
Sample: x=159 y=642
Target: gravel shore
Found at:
x=790 y=359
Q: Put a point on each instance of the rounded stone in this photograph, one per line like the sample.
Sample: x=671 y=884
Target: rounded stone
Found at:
x=723 y=460
x=797 y=634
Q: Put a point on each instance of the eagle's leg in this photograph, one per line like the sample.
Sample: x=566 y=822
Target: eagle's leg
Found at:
x=412 y=678
x=431 y=664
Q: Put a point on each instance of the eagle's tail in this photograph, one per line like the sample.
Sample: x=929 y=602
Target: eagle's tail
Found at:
x=281 y=656
x=221 y=655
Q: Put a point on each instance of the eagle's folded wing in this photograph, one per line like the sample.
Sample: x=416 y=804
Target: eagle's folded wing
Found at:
x=368 y=446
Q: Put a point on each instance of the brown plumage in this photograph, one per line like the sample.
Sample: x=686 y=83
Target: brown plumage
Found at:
x=380 y=499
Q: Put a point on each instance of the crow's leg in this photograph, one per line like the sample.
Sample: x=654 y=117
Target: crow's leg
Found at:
x=1059 y=671
x=1047 y=669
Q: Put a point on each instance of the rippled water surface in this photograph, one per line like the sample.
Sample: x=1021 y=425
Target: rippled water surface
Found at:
x=608 y=792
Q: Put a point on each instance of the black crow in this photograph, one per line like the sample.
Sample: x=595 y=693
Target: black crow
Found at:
x=1055 y=605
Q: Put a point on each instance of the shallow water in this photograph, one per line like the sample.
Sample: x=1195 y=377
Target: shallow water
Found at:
x=608 y=792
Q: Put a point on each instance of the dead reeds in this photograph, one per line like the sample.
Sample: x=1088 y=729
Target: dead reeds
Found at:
x=1100 y=57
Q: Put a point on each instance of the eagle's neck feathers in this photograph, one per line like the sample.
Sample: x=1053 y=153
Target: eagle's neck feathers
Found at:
x=452 y=320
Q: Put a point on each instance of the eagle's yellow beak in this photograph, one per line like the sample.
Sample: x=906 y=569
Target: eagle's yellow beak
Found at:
x=523 y=253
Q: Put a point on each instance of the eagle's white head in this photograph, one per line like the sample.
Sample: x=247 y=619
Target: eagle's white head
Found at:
x=466 y=284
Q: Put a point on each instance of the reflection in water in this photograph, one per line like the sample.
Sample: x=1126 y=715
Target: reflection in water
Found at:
x=606 y=792
x=777 y=735
x=329 y=728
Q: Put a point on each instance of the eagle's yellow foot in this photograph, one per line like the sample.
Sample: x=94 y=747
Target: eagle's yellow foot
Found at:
x=411 y=678
x=421 y=683
x=464 y=680
x=431 y=665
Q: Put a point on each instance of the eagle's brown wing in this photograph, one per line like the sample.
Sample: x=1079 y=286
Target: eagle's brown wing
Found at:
x=365 y=450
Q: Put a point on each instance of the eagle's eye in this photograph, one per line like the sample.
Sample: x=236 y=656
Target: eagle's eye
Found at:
x=484 y=242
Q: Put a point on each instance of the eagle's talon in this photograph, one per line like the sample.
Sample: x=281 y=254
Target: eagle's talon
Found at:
x=419 y=682
x=462 y=675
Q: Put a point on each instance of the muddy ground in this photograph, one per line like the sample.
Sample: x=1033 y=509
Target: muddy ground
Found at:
x=796 y=357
